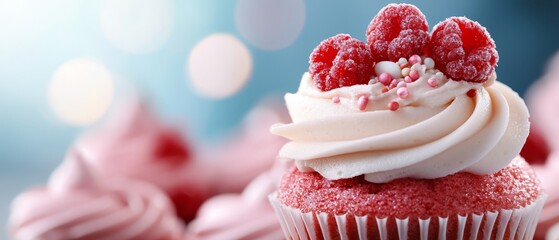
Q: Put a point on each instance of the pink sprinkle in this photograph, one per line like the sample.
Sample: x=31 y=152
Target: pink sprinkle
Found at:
x=362 y=102
x=414 y=75
x=393 y=85
x=385 y=78
x=433 y=82
x=404 y=65
x=401 y=84
x=471 y=93
x=384 y=89
x=393 y=106
x=336 y=99
x=407 y=79
x=414 y=59
x=403 y=92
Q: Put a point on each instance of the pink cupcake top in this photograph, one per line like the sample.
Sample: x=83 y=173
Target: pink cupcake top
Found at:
x=241 y=216
x=74 y=205
x=134 y=144
x=542 y=100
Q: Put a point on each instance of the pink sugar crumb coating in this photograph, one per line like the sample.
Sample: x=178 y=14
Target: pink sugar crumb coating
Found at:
x=513 y=187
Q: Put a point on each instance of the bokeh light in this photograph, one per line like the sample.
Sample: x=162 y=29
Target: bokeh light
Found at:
x=219 y=66
x=137 y=26
x=81 y=91
x=270 y=24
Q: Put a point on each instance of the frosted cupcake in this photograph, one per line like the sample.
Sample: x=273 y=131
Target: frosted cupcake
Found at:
x=407 y=136
x=75 y=205
x=134 y=144
x=543 y=150
x=248 y=215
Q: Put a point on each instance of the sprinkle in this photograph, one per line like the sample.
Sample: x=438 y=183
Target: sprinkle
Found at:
x=402 y=84
x=384 y=89
x=402 y=61
x=439 y=75
x=336 y=99
x=471 y=93
x=393 y=106
x=414 y=75
x=429 y=63
x=385 y=78
x=405 y=71
x=393 y=84
x=407 y=79
x=372 y=81
x=404 y=65
x=433 y=82
x=403 y=92
x=414 y=59
x=362 y=102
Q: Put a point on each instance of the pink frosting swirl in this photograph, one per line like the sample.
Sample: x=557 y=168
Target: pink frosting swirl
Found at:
x=241 y=216
x=75 y=206
x=133 y=143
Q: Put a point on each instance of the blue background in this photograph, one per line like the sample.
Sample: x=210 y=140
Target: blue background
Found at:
x=33 y=140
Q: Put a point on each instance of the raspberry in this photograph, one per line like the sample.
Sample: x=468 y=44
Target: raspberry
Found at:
x=340 y=61
x=463 y=49
x=398 y=30
x=170 y=146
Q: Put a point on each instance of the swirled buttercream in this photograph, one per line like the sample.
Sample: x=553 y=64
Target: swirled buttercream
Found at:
x=134 y=143
x=241 y=216
x=439 y=129
x=75 y=206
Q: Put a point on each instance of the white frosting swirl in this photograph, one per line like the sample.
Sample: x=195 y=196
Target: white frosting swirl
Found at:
x=437 y=131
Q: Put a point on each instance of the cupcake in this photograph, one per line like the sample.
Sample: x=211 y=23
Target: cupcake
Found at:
x=543 y=152
x=248 y=215
x=134 y=144
x=75 y=205
x=407 y=136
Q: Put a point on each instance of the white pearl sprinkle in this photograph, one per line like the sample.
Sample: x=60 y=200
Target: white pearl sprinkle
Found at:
x=429 y=63
x=439 y=75
x=389 y=67
x=405 y=72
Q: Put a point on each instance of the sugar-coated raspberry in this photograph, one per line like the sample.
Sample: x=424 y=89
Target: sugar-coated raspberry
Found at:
x=341 y=61
x=398 y=30
x=463 y=49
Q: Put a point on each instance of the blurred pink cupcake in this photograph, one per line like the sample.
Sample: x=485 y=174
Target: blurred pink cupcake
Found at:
x=74 y=205
x=548 y=174
x=543 y=100
x=250 y=150
x=134 y=144
x=241 y=216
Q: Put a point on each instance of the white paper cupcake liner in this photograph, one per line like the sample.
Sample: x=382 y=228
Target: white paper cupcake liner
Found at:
x=514 y=223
